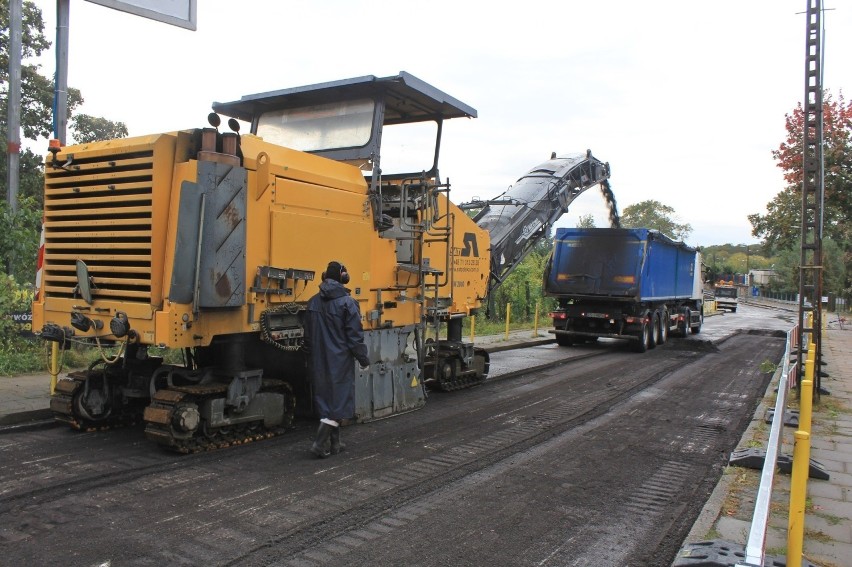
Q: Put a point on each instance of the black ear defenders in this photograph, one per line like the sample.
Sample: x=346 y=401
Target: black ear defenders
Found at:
x=336 y=271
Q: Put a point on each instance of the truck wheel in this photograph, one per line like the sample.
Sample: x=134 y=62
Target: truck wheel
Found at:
x=654 y=331
x=683 y=330
x=663 y=331
x=642 y=344
x=697 y=329
x=564 y=340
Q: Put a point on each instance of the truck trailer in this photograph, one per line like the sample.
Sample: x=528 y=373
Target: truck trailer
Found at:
x=623 y=283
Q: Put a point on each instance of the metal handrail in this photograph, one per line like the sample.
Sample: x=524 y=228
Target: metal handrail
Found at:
x=755 y=551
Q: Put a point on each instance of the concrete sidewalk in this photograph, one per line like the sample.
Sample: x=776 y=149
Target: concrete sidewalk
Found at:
x=828 y=516
x=24 y=398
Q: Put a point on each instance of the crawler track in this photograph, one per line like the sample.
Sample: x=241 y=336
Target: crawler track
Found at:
x=167 y=403
x=66 y=407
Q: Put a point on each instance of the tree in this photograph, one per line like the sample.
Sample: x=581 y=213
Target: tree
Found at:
x=655 y=215
x=835 y=271
x=93 y=128
x=780 y=227
x=20 y=240
x=526 y=278
x=586 y=221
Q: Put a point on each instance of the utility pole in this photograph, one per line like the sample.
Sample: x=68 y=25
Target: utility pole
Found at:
x=60 y=94
x=813 y=192
x=13 y=134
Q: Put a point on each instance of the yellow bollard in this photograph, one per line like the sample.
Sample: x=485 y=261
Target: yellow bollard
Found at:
x=535 y=320
x=806 y=399
x=54 y=365
x=472 y=327
x=798 y=493
x=508 y=315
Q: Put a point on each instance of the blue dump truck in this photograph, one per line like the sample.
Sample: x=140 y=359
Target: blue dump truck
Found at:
x=632 y=283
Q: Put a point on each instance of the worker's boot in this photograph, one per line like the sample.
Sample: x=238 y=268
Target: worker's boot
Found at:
x=319 y=448
x=336 y=445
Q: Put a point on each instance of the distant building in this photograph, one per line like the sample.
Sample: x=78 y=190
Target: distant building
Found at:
x=761 y=277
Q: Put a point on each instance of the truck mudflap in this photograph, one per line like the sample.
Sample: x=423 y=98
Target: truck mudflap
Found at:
x=568 y=338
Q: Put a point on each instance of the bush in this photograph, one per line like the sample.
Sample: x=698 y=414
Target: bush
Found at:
x=21 y=356
x=19 y=238
x=14 y=298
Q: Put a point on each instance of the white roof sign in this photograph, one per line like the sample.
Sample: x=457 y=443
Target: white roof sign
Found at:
x=176 y=12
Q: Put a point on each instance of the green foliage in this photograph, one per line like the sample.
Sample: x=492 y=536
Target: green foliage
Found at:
x=483 y=326
x=20 y=236
x=726 y=259
x=18 y=356
x=835 y=273
x=19 y=239
x=781 y=225
x=36 y=89
x=13 y=298
x=523 y=287
x=586 y=221
x=93 y=128
x=655 y=215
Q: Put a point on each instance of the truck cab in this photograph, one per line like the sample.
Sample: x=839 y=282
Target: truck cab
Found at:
x=726 y=297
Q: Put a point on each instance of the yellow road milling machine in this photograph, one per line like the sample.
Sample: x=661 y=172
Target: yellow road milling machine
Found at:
x=211 y=243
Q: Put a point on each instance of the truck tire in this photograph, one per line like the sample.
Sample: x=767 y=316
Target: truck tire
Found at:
x=654 y=331
x=663 y=329
x=697 y=328
x=683 y=330
x=643 y=335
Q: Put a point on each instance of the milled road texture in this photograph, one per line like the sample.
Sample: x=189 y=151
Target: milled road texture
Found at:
x=603 y=460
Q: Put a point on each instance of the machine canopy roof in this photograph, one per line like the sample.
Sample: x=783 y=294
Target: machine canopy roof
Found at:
x=407 y=99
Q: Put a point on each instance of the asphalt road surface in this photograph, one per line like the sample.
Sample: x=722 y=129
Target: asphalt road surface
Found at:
x=598 y=456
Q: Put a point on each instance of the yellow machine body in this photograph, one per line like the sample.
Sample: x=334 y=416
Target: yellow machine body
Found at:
x=115 y=208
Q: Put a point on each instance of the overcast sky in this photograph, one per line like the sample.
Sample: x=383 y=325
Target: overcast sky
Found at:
x=685 y=99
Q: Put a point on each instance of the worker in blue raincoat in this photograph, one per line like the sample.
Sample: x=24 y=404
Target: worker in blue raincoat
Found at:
x=334 y=340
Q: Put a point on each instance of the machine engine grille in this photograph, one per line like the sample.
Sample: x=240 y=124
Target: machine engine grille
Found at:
x=99 y=209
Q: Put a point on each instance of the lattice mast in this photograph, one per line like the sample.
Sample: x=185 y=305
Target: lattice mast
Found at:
x=811 y=266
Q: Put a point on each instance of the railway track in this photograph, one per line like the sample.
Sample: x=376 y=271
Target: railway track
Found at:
x=468 y=462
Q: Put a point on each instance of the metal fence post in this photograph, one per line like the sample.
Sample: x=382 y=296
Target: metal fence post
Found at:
x=535 y=321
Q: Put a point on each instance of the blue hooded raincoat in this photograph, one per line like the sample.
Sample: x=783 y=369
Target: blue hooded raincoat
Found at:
x=334 y=340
